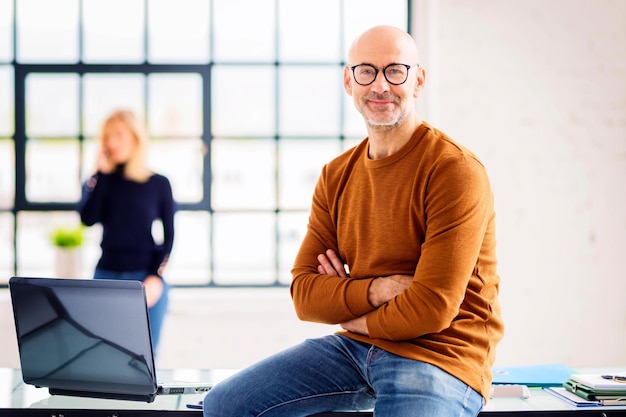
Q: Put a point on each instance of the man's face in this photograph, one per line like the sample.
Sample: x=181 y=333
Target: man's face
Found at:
x=382 y=103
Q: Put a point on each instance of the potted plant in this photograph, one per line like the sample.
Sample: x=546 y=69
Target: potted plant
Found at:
x=67 y=241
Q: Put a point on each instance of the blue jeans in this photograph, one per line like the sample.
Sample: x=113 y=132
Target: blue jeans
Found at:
x=335 y=373
x=156 y=312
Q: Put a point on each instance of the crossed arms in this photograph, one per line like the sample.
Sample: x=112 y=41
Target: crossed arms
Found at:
x=380 y=290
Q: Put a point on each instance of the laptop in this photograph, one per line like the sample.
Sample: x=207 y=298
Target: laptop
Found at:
x=88 y=338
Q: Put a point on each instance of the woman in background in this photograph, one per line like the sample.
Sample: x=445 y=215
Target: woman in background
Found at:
x=127 y=198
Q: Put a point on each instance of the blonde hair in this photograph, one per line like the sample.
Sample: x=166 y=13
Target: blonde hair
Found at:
x=136 y=168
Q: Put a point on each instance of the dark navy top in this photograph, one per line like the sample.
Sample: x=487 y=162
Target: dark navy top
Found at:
x=127 y=209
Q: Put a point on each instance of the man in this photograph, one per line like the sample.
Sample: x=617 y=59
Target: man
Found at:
x=409 y=213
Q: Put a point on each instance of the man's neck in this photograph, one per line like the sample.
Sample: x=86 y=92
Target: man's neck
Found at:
x=385 y=141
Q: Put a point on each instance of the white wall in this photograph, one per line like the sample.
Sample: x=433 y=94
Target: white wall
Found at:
x=537 y=88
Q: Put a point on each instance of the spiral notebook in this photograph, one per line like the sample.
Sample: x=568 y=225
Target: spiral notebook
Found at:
x=88 y=338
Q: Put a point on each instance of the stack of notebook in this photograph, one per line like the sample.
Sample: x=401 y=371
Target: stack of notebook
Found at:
x=593 y=389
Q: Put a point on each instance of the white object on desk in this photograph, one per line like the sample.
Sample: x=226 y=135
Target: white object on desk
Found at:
x=597 y=381
x=509 y=391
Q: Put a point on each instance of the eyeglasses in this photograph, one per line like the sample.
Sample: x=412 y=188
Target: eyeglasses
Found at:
x=616 y=378
x=395 y=74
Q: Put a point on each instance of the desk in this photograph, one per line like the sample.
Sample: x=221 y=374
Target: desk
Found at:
x=20 y=400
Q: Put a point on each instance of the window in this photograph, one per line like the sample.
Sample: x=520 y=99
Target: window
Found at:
x=230 y=91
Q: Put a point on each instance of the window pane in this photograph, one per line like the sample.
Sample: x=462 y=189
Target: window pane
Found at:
x=178 y=31
x=310 y=99
x=52 y=104
x=301 y=39
x=353 y=123
x=113 y=31
x=52 y=170
x=243 y=174
x=35 y=251
x=103 y=93
x=6 y=30
x=245 y=247
x=300 y=164
x=291 y=229
x=90 y=251
x=190 y=261
x=7 y=173
x=47 y=31
x=349 y=143
x=6 y=247
x=182 y=162
x=175 y=104
x=88 y=158
x=7 y=116
x=249 y=109
x=257 y=42
x=364 y=14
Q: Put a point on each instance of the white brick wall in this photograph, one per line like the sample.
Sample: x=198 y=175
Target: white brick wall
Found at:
x=537 y=88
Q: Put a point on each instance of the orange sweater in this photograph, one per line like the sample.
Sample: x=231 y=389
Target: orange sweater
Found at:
x=426 y=211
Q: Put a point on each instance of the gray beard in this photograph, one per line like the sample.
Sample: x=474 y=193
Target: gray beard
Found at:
x=386 y=125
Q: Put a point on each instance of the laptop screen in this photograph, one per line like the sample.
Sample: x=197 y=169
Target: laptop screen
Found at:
x=83 y=335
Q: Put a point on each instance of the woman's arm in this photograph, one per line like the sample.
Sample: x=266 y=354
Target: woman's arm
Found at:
x=91 y=205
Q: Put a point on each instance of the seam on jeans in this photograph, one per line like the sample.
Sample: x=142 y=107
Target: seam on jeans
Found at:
x=307 y=398
x=372 y=351
x=466 y=397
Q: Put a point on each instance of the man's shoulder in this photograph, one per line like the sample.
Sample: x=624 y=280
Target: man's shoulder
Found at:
x=442 y=145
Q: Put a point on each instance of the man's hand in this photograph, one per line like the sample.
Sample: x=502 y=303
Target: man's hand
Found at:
x=381 y=290
x=385 y=289
x=358 y=325
x=330 y=264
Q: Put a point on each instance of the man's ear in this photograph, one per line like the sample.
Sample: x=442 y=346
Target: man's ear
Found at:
x=420 y=81
x=347 y=80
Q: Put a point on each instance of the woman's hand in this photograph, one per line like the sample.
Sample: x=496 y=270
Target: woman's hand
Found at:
x=104 y=163
x=154 y=289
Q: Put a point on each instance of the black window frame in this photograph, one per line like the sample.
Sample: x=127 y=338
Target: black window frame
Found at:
x=22 y=70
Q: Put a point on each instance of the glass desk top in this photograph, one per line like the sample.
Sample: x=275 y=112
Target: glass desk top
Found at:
x=21 y=400
x=16 y=395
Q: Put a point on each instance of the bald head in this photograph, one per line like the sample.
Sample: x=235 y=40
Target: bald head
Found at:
x=387 y=43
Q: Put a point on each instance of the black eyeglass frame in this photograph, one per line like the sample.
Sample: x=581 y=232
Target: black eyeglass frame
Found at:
x=384 y=71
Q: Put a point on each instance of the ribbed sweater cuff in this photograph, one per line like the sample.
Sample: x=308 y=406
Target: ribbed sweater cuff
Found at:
x=356 y=296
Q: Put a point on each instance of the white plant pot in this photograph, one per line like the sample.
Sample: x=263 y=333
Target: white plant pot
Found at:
x=68 y=263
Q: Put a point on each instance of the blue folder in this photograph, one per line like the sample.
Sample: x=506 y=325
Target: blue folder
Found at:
x=548 y=375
